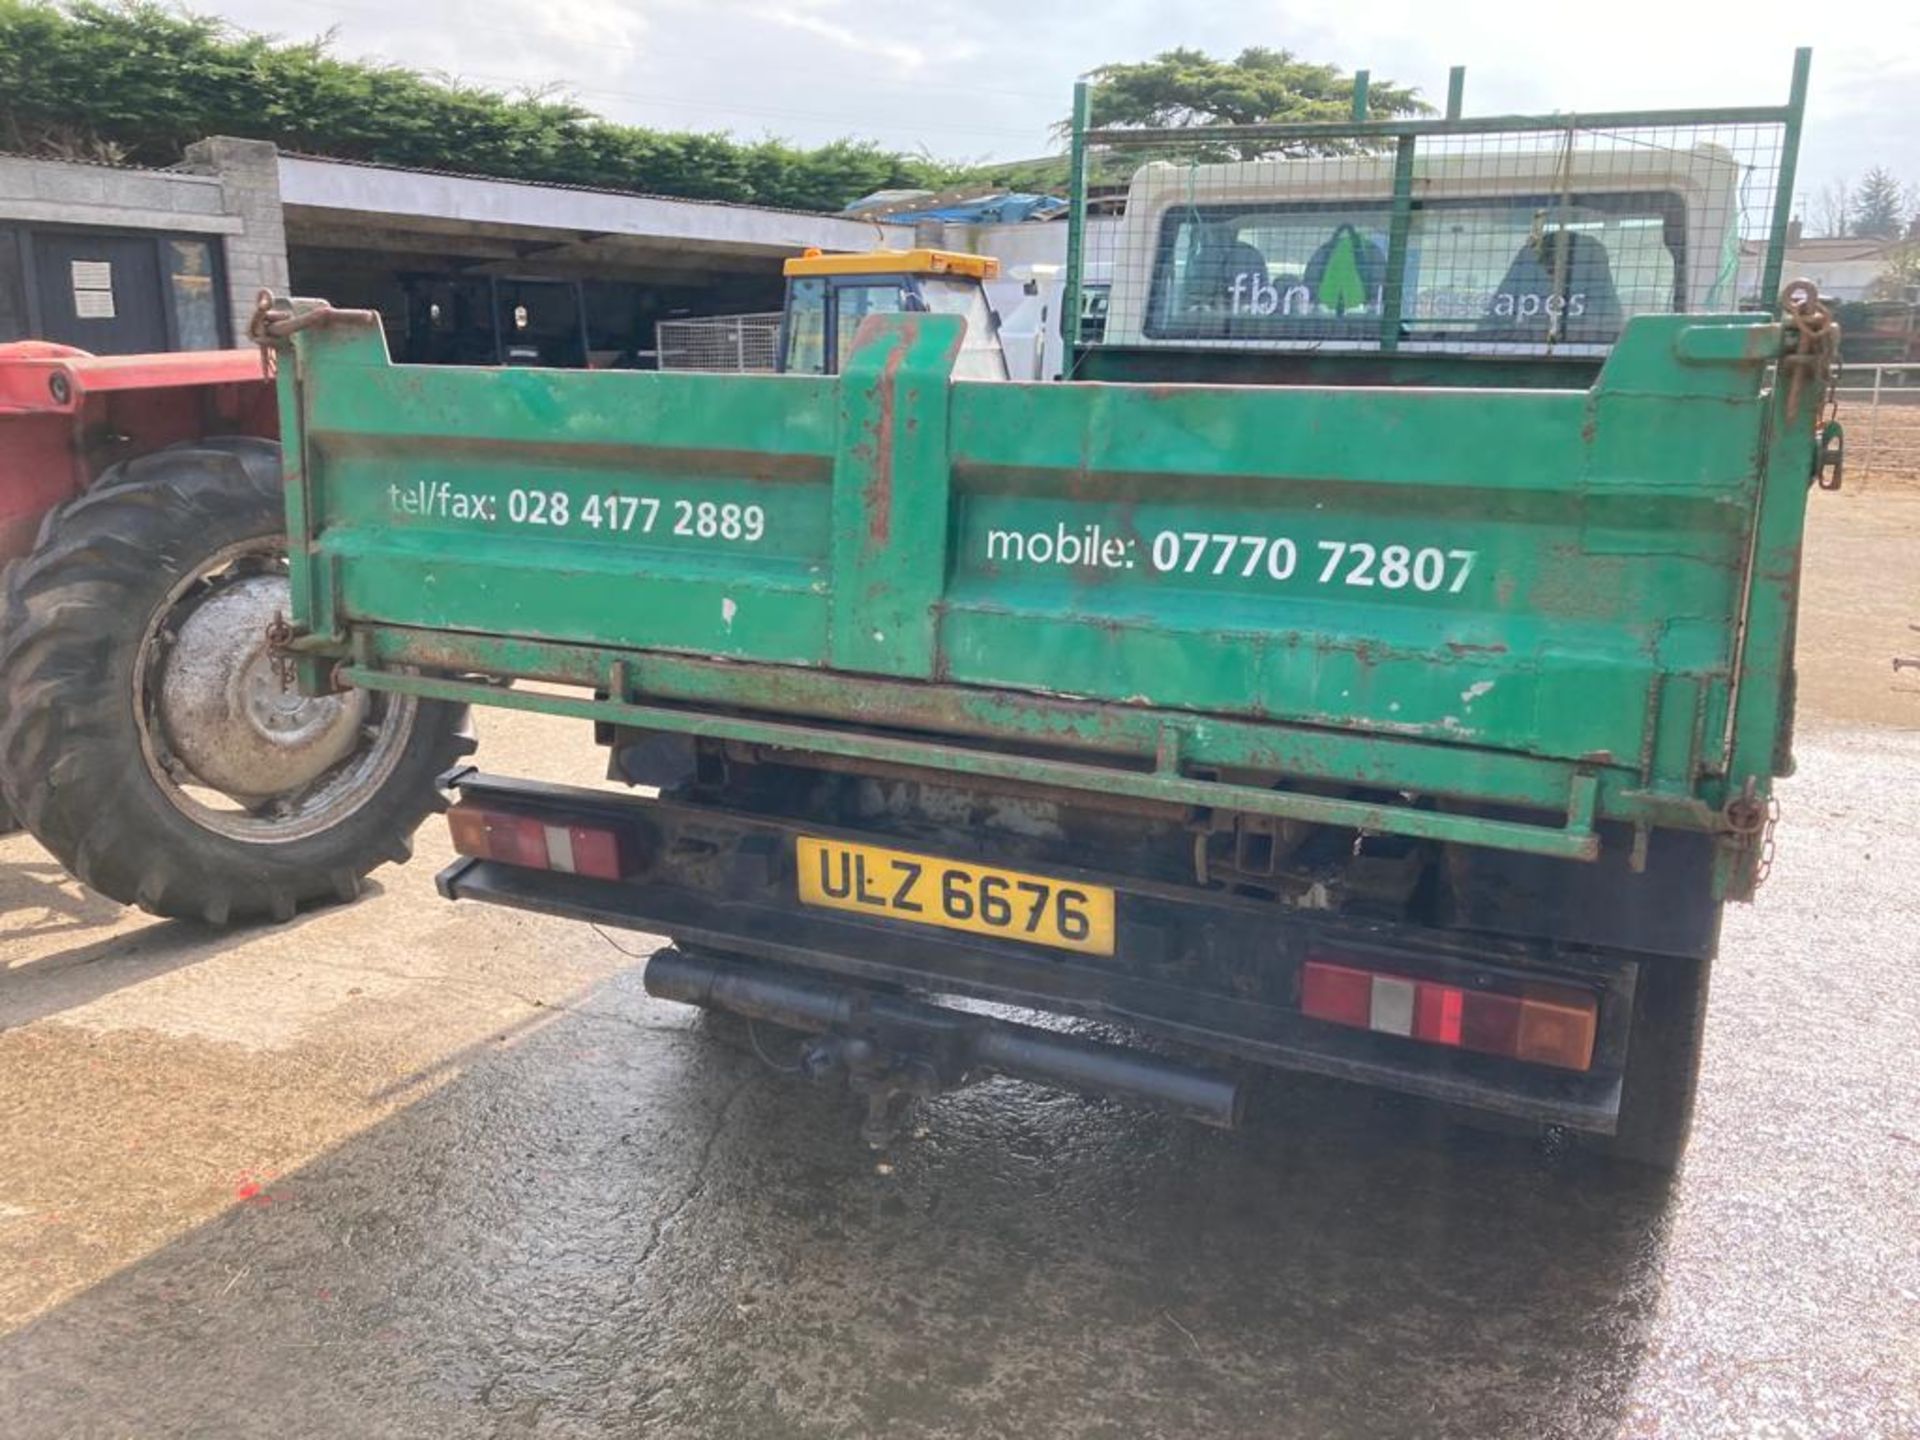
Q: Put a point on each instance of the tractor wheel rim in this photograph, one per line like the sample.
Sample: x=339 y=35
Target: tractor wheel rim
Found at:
x=232 y=747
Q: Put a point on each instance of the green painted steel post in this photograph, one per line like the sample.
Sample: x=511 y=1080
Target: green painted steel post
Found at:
x=1456 y=90
x=1783 y=190
x=302 y=556
x=1360 y=79
x=311 y=603
x=1393 y=288
x=1076 y=226
x=891 y=484
x=1763 y=696
x=314 y=598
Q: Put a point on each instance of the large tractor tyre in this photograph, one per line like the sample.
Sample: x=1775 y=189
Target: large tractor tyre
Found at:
x=146 y=738
x=9 y=822
x=1663 y=1064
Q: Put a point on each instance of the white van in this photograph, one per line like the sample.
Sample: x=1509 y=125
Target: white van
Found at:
x=1516 y=251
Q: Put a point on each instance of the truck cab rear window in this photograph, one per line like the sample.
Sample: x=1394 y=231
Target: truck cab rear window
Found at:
x=1514 y=270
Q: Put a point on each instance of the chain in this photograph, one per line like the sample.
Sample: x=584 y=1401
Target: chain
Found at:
x=279 y=636
x=1764 y=866
x=275 y=321
x=1752 y=819
x=1816 y=339
x=1816 y=350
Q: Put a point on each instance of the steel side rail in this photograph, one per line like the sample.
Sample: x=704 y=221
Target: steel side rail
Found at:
x=1576 y=841
x=1176 y=137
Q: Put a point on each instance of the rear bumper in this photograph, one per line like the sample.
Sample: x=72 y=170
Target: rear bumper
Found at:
x=1192 y=966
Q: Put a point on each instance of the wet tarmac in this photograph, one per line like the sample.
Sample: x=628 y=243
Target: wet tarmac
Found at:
x=412 y=1169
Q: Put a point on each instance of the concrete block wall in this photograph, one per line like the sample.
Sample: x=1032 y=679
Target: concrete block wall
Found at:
x=228 y=188
x=249 y=176
x=58 y=192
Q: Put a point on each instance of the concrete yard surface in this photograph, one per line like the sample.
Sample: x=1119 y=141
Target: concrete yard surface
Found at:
x=412 y=1169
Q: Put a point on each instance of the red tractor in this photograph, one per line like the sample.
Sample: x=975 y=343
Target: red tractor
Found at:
x=147 y=738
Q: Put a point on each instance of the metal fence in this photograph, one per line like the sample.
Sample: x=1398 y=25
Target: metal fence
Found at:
x=730 y=343
x=1512 y=234
x=1880 y=406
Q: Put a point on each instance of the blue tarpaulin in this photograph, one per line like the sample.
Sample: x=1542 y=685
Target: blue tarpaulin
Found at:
x=1008 y=208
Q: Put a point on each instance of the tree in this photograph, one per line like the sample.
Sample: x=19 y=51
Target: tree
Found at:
x=1880 y=206
x=1900 y=279
x=1833 y=208
x=1180 y=88
x=139 y=82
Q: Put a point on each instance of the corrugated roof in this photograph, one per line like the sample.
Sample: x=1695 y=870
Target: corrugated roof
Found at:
x=564 y=185
x=446 y=174
x=104 y=164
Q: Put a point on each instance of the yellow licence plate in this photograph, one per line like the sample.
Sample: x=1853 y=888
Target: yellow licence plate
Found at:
x=928 y=890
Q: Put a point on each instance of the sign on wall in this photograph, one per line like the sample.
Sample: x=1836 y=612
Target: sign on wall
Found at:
x=92 y=289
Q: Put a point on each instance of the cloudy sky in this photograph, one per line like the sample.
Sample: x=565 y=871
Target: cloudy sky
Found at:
x=986 y=79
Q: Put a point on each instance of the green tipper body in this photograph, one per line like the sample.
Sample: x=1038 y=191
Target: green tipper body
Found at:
x=1486 y=616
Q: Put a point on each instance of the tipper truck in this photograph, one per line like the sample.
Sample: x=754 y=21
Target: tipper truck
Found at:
x=1384 y=679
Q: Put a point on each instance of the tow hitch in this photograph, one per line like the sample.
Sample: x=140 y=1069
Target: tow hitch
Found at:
x=895 y=1051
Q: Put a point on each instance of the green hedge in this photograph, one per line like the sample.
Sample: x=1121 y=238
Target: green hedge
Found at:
x=137 y=82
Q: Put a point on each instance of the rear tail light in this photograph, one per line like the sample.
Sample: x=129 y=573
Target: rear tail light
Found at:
x=538 y=844
x=1542 y=1024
